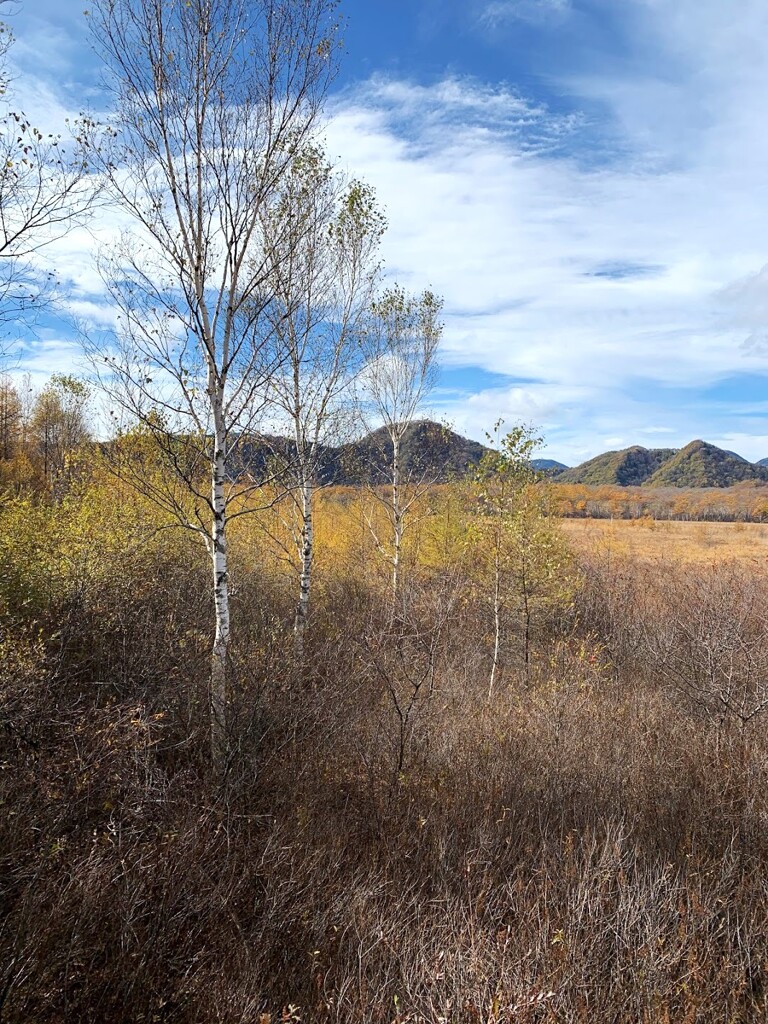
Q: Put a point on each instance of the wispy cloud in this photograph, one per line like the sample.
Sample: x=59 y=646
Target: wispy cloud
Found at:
x=426 y=116
x=51 y=354
x=499 y=12
x=589 y=279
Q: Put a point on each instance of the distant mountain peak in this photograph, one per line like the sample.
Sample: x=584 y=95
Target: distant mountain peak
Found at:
x=433 y=451
x=625 y=468
x=698 y=464
x=551 y=466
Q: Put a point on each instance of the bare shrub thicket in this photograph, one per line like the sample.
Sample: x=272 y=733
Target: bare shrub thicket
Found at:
x=388 y=845
x=700 y=630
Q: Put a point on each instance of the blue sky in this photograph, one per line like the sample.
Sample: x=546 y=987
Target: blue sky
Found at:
x=584 y=181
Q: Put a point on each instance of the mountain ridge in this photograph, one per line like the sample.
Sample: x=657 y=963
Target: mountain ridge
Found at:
x=698 y=464
x=430 y=451
x=433 y=451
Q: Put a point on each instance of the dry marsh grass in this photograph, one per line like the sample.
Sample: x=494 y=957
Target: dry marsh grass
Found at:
x=389 y=846
x=652 y=540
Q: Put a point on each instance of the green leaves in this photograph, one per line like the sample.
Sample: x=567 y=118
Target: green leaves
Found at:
x=506 y=467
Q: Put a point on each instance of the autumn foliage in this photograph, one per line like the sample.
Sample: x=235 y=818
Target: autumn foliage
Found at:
x=746 y=502
x=389 y=843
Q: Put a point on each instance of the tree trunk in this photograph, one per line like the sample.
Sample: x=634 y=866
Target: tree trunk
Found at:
x=527 y=634
x=307 y=540
x=219 y=655
x=397 y=524
x=497 y=604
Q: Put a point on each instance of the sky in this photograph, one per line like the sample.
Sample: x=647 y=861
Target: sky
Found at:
x=585 y=182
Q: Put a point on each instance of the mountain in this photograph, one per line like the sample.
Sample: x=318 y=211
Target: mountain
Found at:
x=429 y=450
x=626 y=468
x=549 y=466
x=703 y=465
x=697 y=465
x=433 y=452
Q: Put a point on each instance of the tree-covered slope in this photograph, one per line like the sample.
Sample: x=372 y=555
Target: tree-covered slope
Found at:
x=430 y=450
x=703 y=465
x=629 y=467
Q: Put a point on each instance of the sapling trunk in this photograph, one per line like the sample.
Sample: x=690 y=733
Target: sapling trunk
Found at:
x=397 y=523
x=307 y=553
x=220 y=652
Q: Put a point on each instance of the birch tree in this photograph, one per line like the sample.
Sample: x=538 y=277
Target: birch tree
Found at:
x=502 y=475
x=404 y=334
x=324 y=231
x=213 y=99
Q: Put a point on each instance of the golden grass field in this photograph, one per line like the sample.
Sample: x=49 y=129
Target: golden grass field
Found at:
x=652 y=540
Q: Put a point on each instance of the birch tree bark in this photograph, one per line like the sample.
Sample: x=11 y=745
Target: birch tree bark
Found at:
x=326 y=231
x=213 y=100
x=307 y=556
x=403 y=339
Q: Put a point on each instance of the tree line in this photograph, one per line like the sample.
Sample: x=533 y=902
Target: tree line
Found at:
x=746 y=502
x=43 y=434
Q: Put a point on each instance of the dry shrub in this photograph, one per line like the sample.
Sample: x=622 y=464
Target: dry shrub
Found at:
x=388 y=846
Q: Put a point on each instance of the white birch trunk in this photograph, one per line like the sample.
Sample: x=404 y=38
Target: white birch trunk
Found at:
x=496 y=625
x=307 y=555
x=397 y=523
x=219 y=556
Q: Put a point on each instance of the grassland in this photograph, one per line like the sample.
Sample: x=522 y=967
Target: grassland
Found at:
x=648 y=540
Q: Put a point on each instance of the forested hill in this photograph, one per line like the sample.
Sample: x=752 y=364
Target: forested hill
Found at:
x=697 y=465
x=703 y=465
x=627 y=468
x=548 y=466
x=429 y=451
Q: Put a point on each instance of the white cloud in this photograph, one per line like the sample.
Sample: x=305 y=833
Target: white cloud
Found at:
x=428 y=115
x=49 y=355
x=579 y=275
